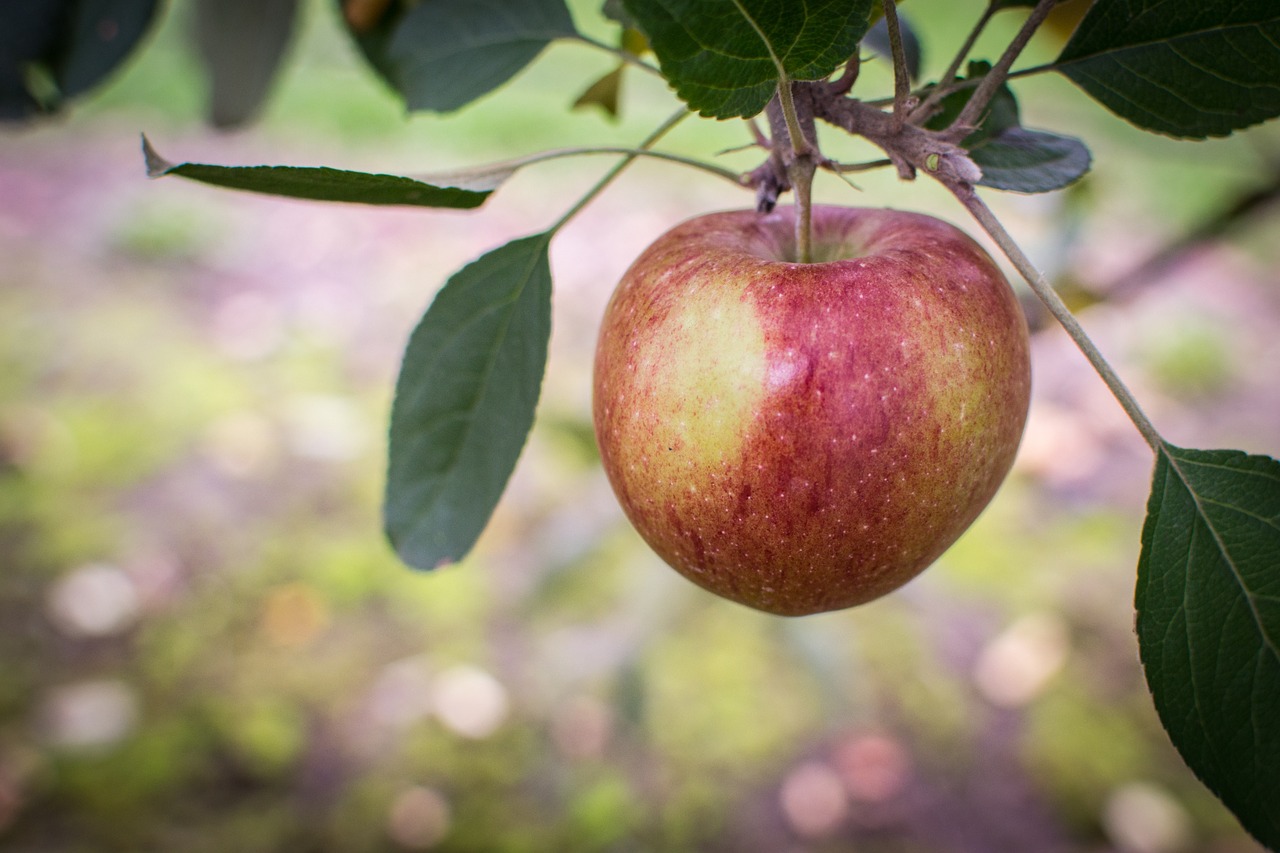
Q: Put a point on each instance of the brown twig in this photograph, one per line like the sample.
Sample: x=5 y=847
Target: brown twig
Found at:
x=994 y=79
x=844 y=83
x=902 y=105
x=922 y=112
x=909 y=147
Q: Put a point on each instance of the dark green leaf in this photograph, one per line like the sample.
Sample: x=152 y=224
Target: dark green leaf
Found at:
x=1030 y=161
x=722 y=56
x=465 y=401
x=877 y=39
x=101 y=35
x=1186 y=68
x=1208 y=602
x=241 y=43
x=51 y=50
x=443 y=54
x=318 y=183
x=27 y=35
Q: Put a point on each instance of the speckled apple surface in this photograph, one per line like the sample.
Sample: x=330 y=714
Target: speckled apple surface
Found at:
x=808 y=437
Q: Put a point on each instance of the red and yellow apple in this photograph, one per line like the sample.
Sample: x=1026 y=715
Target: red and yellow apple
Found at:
x=808 y=437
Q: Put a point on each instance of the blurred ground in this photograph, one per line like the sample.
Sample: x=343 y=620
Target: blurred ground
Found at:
x=206 y=645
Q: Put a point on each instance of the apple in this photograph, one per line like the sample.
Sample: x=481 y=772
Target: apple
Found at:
x=808 y=437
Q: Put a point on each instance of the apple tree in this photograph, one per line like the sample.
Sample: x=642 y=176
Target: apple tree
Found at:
x=1208 y=579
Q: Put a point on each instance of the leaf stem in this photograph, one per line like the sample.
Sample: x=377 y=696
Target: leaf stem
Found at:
x=922 y=112
x=842 y=168
x=991 y=83
x=799 y=144
x=558 y=153
x=1040 y=285
x=624 y=55
x=650 y=140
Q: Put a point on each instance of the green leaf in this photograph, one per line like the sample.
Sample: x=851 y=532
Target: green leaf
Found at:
x=443 y=54
x=1030 y=161
x=51 y=50
x=1208 y=602
x=319 y=183
x=723 y=56
x=27 y=35
x=101 y=34
x=1186 y=68
x=241 y=43
x=465 y=401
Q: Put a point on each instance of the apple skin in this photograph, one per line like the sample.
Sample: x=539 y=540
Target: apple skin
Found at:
x=808 y=437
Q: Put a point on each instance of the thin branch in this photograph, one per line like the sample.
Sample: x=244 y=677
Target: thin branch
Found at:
x=922 y=112
x=942 y=90
x=625 y=55
x=507 y=166
x=909 y=147
x=901 y=79
x=757 y=134
x=652 y=138
x=1040 y=285
x=844 y=83
x=968 y=118
x=1035 y=69
x=844 y=168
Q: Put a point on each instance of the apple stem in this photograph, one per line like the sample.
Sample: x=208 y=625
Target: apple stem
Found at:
x=650 y=140
x=1040 y=285
x=802 y=181
x=801 y=161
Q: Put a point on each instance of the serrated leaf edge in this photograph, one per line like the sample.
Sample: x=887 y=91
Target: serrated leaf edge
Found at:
x=1173 y=462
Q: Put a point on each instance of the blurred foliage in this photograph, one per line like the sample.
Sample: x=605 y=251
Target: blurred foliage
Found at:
x=205 y=645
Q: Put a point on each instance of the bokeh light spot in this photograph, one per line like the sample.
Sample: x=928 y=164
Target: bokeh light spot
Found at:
x=89 y=714
x=95 y=600
x=419 y=818
x=469 y=701
x=293 y=615
x=813 y=800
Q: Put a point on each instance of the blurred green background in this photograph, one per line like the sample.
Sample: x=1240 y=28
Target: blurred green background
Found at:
x=205 y=643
